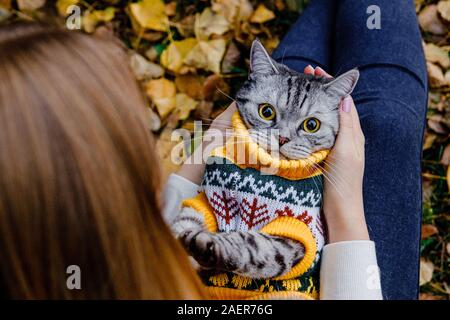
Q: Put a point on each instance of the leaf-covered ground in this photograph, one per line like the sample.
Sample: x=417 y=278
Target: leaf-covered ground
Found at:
x=191 y=56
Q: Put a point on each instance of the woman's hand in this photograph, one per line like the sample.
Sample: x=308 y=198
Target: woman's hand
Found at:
x=343 y=199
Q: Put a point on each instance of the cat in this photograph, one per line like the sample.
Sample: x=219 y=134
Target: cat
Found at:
x=304 y=111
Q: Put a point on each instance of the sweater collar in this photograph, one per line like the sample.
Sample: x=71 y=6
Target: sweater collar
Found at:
x=256 y=157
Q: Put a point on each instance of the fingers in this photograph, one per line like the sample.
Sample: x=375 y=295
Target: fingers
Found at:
x=309 y=70
x=349 y=121
x=318 y=72
x=346 y=115
x=321 y=73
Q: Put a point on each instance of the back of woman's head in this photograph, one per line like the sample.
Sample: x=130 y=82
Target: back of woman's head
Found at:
x=78 y=175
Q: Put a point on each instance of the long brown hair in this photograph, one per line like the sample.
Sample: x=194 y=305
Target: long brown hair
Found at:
x=78 y=175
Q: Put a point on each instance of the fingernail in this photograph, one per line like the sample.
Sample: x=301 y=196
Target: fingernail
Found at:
x=310 y=67
x=347 y=104
x=320 y=69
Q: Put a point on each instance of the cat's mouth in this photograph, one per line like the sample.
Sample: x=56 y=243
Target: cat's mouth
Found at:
x=285 y=151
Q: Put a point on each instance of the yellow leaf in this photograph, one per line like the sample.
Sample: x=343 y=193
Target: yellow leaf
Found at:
x=173 y=56
x=207 y=55
x=30 y=4
x=5 y=4
x=89 y=21
x=448 y=178
x=233 y=10
x=150 y=14
x=262 y=14
x=63 y=5
x=190 y=84
x=429 y=20
x=208 y=23
x=144 y=69
x=435 y=54
x=105 y=15
x=184 y=105
x=443 y=8
x=162 y=92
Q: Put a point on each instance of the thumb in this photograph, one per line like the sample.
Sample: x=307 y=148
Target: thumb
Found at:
x=345 y=115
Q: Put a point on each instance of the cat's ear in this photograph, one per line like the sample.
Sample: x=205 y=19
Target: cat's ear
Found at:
x=343 y=85
x=260 y=61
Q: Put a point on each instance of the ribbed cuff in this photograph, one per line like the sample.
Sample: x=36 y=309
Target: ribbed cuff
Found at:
x=349 y=271
x=176 y=190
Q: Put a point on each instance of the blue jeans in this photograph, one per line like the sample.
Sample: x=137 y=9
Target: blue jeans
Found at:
x=391 y=98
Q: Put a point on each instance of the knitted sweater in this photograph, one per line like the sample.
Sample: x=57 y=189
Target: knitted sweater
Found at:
x=245 y=188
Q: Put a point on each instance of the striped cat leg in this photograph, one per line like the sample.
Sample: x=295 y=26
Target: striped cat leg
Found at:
x=188 y=222
x=251 y=254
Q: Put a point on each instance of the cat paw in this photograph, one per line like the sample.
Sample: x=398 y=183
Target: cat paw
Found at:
x=202 y=247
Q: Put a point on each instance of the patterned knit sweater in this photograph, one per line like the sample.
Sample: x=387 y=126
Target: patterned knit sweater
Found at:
x=245 y=188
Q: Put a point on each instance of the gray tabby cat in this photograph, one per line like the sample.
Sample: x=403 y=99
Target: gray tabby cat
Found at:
x=304 y=110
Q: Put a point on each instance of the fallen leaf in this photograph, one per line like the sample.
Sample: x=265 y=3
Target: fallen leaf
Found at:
x=447 y=288
x=92 y=18
x=63 y=5
x=428 y=230
x=443 y=7
x=5 y=4
x=429 y=20
x=152 y=53
x=174 y=55
x=435 y=75
x=169 y=162
x=144 y=69
x=426 y=271
x=429 y=296
x=190 y=84
x=153 y=120
x=4 y=14
x=171 y=8
x=30 y=4
x=429 y=140
x=184 y=105
x=162 y=92
x=427 y=190
x=231 y=58
x=448 y=177
x=214 y=86
x=271 y=44
x=207 y=55
x=280 y=5
x=208 y=23
x=186 y=26
x=234 y=10
x=435 y=54
x=150 y=14
x=262 y=14
x=204 y=109
x=445 y=159
x=447 y=77
x=435 y=123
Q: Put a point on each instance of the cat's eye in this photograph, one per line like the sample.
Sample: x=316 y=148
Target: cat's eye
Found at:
x=266 y=111
x=311 y=125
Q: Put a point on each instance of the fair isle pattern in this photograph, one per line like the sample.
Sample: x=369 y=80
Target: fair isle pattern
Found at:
x=245 y=199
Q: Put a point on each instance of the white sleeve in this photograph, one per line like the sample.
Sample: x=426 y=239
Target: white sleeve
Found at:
x=349 y=271
x=176 y=190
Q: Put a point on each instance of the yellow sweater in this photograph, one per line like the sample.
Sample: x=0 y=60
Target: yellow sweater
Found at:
x=288 y=195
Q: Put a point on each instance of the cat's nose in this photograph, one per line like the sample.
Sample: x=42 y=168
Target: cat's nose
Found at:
x=283 y=140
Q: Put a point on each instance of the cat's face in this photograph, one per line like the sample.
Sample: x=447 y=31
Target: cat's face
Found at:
x=289 y=112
